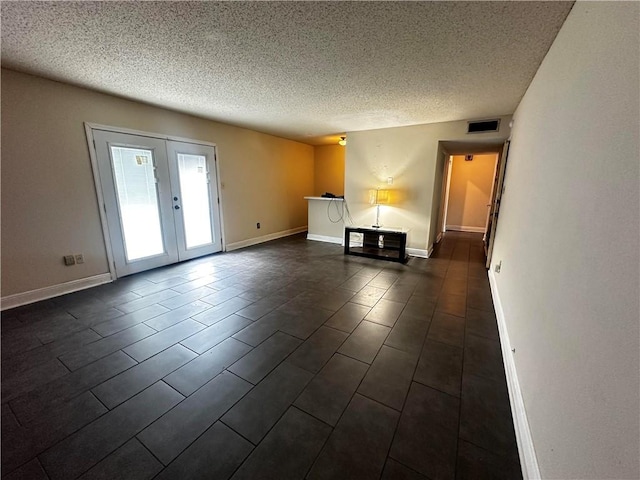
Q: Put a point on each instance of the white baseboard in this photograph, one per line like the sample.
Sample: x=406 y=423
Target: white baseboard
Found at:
x=32 y=296
x=438 y=238
x=526 y=450
x=418 y=252
x=265 y=238
x=324 y=238
x=465 y=228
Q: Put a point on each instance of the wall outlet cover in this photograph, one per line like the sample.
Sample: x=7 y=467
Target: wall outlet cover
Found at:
x=69 y=260
x=79 y=258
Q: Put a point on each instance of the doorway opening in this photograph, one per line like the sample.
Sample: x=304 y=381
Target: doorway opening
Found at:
x=158 y=196
x=470 y=188
x=470 y=182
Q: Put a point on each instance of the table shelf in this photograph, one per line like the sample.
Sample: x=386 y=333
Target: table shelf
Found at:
x=380 y=243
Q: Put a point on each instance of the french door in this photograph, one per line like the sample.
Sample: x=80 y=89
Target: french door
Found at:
x=160 y=200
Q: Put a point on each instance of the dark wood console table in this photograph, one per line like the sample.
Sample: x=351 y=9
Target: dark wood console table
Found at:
x=383 y=243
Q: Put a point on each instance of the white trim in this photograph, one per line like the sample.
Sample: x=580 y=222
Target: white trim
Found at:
x=32 y=296
x=326 y=199
x=438 y=238
x=264 y=238
x=324 y=238
x=465 y=228
x=419 y=252
x=140 y=133
x=93 y=156
x=526 y=450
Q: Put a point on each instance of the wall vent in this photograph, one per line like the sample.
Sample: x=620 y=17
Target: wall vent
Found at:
x=483 y=126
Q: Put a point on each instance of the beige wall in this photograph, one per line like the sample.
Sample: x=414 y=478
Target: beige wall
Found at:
x=569 y=241
x=49 y=205
x=470 y=191
x=410 y=155
x=329 y=169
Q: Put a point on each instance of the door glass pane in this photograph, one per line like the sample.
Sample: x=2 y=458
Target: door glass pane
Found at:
x=196 y=209
x=138 y=202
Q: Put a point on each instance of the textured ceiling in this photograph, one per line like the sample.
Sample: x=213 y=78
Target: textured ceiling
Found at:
x=300 y=70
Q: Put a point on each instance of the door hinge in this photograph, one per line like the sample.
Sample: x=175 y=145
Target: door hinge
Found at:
x=94 y=144
x=104 y=205
x=218 y=200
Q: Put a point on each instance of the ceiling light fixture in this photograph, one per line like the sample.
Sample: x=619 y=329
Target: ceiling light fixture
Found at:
x=343 y=141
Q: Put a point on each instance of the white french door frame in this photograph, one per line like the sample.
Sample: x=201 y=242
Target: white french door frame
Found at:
x=89 y=127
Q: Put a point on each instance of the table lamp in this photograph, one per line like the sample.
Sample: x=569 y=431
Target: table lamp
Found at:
x=378 y=197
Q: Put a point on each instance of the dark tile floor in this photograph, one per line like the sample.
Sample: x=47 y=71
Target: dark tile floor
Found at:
x=281 y=361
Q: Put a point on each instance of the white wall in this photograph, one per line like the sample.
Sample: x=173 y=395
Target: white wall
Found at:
x=410 y=155
x=49 y=205
x=568 y=238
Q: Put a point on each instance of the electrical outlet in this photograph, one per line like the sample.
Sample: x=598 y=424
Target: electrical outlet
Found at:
x=498 y=267
x=69 y=260
x=258 y=225
x=79 y=258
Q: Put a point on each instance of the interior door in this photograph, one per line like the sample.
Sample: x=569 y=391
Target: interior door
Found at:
x=160 y=199
x=134 y=176
x=495 y=207
x=195 y=199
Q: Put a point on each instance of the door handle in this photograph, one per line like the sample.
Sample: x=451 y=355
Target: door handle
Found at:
x=177 y=207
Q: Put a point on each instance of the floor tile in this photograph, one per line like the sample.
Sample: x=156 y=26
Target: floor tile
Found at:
x=349 y=452
x=261 y=408
x=173 y=432
x=221 y=311
x=257 y=332
x=125 y=385
x=254 y=366
x=131 y=461
x=303 y=324
x=82 y=450
x=355 y=283
x=31 y=379
x=368 y=296
x=408 y=333
x=288 y=450
x=482 y=323
x=452 y=304
x=216 y=333
x=262 y=307
x=365 y=341
x=475 y=463
x=35 y=437
x=20 y=363
x=29 y=471
x=309 y=302
x=447 y=329
x=48 y=398
x=178 y=315
x=389 y=377
x=385 y=312
x=483 y=357
x=427 y=435
x=485 y=415
x=396 y=471
x=97 y=350
x=147 y=300
x=329 y=393
x=216 y=454
x=157 y=342
x=317 y=349
x=125 y=321
x=480 y=299
x=348 y=317
x=440 y=367
x=190 y=377
x=190 y=295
